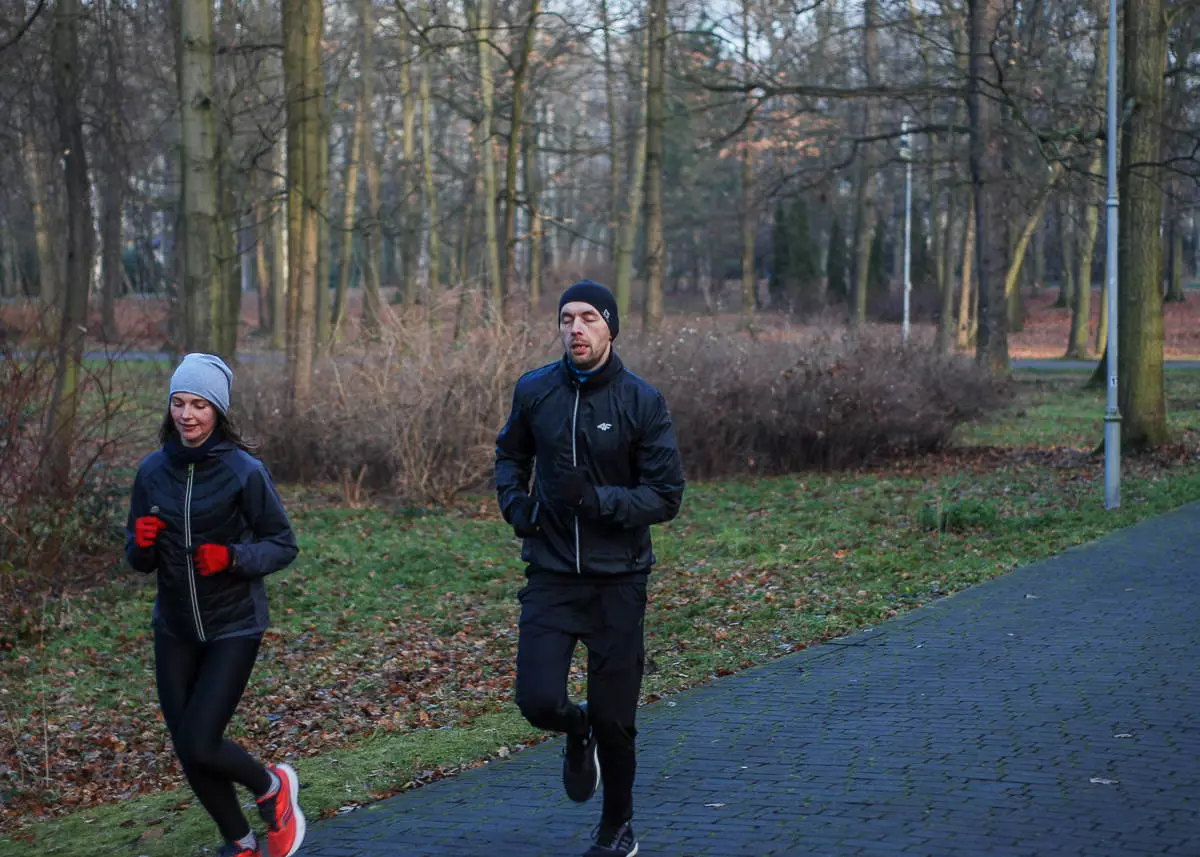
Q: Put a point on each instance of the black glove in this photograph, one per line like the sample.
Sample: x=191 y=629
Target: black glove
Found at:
x=524 y=517
x=573 y=489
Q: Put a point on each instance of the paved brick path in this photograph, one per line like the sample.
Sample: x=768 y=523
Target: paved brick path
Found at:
x=1050 y=712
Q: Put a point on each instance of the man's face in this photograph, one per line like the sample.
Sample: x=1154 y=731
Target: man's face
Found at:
x=585 y=335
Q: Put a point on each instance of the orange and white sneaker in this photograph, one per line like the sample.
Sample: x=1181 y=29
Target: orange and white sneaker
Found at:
x=281 y=812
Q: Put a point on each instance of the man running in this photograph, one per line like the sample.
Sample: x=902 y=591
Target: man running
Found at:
x=607 y=467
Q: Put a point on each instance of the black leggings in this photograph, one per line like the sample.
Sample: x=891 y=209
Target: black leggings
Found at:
x=557 y=612
x=199 y=686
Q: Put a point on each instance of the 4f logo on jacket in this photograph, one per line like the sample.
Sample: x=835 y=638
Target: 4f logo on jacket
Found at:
x=604 y=426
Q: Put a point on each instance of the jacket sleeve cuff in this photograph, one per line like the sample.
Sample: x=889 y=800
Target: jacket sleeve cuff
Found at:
x=144 y=560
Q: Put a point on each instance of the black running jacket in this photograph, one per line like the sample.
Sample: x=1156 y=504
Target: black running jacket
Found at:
x=227 y=498
x=615 y=426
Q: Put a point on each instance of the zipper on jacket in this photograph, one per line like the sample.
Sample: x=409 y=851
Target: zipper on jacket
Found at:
x=187 y=542
x=575 y=463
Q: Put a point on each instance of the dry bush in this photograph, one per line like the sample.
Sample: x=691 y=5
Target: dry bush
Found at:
x=418 y=416
x=53 y=534
x=17 y=317
x=818 y=401
x=140 y=319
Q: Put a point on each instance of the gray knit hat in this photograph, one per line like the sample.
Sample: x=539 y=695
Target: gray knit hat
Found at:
x=204 y=375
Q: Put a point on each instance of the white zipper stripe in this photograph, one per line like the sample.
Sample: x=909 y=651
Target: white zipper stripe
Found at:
x=575 y=463
x=187 y=538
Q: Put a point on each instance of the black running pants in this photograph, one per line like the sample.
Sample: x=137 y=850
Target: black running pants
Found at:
x=199 y=686
x=557 y=611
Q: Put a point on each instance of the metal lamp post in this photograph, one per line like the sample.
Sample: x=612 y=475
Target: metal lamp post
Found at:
x=906 y=154
x=1112 y=413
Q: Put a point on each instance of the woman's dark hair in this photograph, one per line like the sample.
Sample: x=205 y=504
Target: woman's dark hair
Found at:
x=224 y=425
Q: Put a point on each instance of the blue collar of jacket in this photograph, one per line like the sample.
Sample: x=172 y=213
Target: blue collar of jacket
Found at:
x=597 y=377
x=181 y=455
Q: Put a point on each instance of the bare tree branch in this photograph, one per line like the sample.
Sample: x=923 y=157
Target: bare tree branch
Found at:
x=768 y=90
x=24 y=27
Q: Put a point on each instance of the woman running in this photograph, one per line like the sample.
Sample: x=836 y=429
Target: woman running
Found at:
x=205 y=515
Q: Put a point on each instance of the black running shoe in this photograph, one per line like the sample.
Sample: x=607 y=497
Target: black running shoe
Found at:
x=613 y=841
x=581 y=765
x=232 y=849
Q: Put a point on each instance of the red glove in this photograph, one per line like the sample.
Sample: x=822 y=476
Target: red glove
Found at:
x=213 y=559
x=146 y=530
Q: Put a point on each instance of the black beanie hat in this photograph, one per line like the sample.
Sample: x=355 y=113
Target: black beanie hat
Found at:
x=598 y=296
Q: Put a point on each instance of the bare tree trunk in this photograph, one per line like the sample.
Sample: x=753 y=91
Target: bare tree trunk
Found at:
x=1079 y=297
x=1066 y=242
x=749 y=275
x=197 y=99
x=314 y=300
x=937 y=231
x=1183 y=47
x=946 y=327
x=302 y=27
x=865 y=214
x=991 y=348
x=262 y=267
x=49 y=281
x=10 y=277
x=466 y=290
x=295 y=98
x=1012 y=285
x=1102 y=328
x=1140 y=334
x=702 y=271
x=656 y=251
x=112 y=266
x=495 y=308
x=219 y=311
x=628 y=218
x=64 y=406
x=247 y=241
x=614 y=149
x=265 y=184
x=1175 y=267
x=8 y=266
x=1077 y=344
x=324 y=312
x=349 y=214
x=1039 y=258
x=410 y=239
x=1194 y=225
x=372 y=312
x=533 y=191
x=280 y=273
x=966 y=300
x=227 y=294
x=431 y=202
x=513 y=156
x=172 y=281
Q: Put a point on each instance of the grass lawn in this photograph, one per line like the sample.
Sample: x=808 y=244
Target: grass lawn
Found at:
x=390 y=662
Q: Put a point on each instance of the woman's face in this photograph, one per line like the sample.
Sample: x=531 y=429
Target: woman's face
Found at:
x=194 y=416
